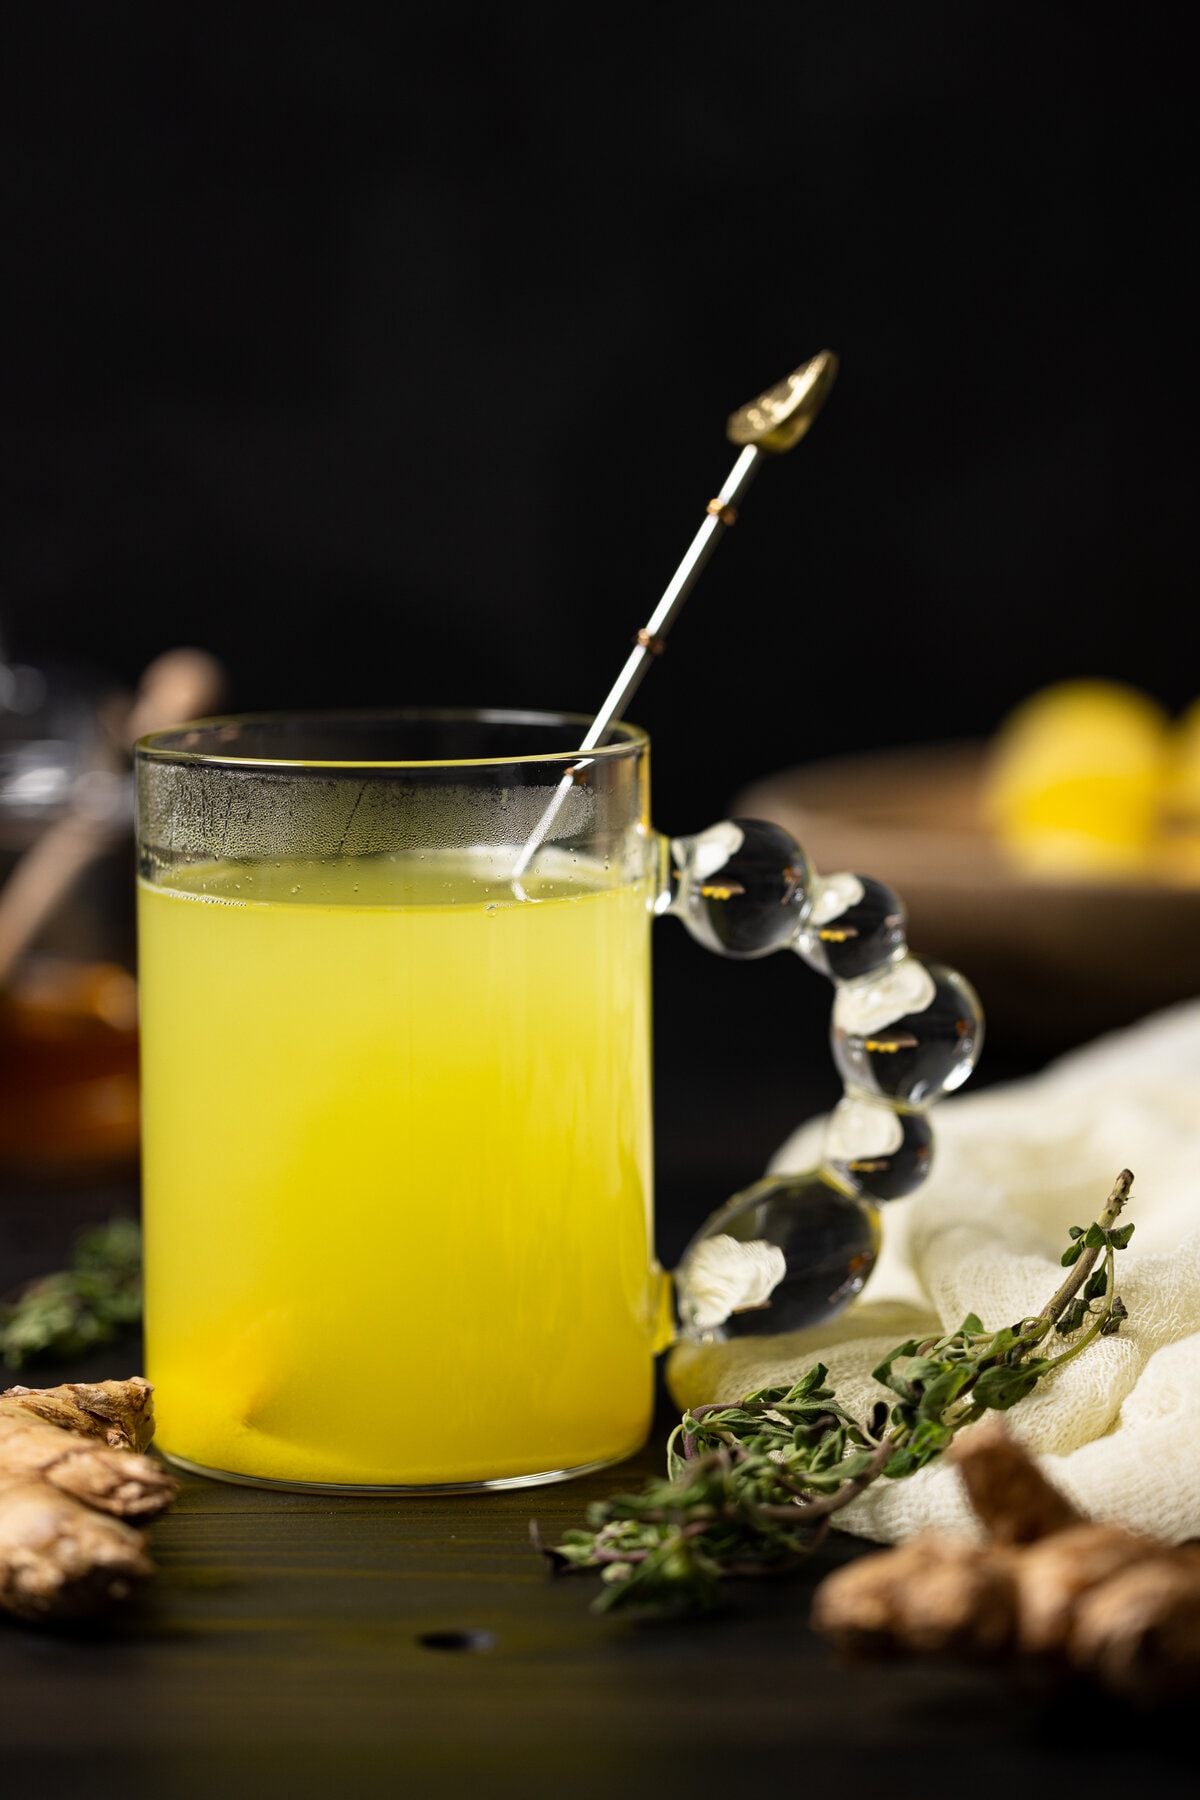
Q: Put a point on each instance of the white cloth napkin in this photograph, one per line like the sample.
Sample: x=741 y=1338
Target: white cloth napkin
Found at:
x=1118 y=1430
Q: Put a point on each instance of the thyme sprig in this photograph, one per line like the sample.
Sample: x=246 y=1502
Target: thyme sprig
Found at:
x=751 y=1487
x=69 y=1311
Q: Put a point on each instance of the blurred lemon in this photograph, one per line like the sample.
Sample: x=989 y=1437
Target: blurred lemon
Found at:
x=1076 y=779
x=1180 y=849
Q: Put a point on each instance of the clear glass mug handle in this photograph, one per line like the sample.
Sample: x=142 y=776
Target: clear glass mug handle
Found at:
x=793 y=1250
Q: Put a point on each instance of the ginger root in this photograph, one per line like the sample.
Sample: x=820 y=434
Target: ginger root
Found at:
x=934 y=1593
x=1120 y=1607
x=71 y=1472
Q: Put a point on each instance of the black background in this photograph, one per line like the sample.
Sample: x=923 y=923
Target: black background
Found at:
x=387 y=353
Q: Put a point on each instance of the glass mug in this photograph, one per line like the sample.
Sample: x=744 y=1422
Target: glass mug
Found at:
x=396 y=1100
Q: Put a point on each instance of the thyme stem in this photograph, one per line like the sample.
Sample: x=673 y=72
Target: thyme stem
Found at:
x=1057 y=1305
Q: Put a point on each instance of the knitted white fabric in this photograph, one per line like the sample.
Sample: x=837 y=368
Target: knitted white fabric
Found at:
x=1118 y=1430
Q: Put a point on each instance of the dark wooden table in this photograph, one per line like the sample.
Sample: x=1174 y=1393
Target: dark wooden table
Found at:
x=308 y=1646
x=304 y=1646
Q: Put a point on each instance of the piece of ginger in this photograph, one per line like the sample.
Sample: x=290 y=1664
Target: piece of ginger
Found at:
x=1139 y=1631
x=934 y=1593
x=1119 y=1606
x=1053 y=1576
x=71 y=1472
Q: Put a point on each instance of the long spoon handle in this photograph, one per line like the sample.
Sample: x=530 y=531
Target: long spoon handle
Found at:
x=721 y=513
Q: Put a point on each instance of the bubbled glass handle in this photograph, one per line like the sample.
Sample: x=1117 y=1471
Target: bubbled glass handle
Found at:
x=793 y=1250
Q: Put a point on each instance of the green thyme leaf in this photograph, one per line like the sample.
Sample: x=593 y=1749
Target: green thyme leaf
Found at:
x=69 y=1312
x=947 y=1387
x=884 y=1372
x=928 y=1440
x=1000 y=1388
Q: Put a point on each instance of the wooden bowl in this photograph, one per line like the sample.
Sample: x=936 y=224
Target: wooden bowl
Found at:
x=1054 y=961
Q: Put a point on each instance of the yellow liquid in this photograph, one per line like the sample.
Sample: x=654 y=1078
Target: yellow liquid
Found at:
x=397 y=1170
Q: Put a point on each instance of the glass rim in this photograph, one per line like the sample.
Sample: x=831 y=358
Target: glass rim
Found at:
x=172 y=745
